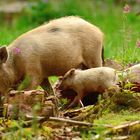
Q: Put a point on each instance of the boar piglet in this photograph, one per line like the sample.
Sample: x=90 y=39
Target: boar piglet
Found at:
x=132 y=74
x=92 y=80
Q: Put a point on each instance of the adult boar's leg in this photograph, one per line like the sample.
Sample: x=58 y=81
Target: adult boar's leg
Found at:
x=97 y=63
x=32 y=79
x=3 y=101
x=1 y=105
x=33 y=82
x=96 y=60
x=45 y=84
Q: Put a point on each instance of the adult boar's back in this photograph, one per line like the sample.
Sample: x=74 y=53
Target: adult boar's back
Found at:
x=51 y=49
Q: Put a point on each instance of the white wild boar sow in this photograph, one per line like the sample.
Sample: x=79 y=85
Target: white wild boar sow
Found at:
x=88 y=81
x=51 y=49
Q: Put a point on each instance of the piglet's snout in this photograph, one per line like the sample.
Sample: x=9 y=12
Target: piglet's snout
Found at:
x=59 y=87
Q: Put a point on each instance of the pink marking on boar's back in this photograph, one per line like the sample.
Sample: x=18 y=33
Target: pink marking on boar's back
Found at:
x=17 y=50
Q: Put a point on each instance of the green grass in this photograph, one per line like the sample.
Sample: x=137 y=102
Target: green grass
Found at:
x=107 y=16
x=105 y=123
x=115 y=119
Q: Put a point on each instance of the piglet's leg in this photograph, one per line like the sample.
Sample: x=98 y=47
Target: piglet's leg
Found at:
x=81 y=103
x=77 y=99
x=80 y=97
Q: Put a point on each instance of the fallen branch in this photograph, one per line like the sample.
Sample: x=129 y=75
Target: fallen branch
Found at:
x=122 y=127
x=70 y=121
x=77 y=122
x=112 y=138
x=130 y=124
x=38 y=118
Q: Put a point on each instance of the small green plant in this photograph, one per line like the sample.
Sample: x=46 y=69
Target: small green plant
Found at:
x=63 y=102
x=35 y=124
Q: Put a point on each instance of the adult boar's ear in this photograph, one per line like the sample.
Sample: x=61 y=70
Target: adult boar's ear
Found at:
x=3 y=54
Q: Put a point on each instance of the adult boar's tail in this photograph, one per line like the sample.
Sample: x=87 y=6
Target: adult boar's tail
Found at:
x=103 y=61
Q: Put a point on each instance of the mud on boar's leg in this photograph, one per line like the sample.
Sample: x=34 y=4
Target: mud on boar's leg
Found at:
x=47 y=86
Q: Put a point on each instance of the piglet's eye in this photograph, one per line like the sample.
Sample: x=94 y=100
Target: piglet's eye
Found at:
x=64 y=78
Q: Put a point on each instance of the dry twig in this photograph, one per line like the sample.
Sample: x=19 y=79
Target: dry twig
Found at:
x=70 y=121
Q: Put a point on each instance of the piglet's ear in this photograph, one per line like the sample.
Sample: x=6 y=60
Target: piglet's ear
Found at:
x=72 y=71
x=3 y=55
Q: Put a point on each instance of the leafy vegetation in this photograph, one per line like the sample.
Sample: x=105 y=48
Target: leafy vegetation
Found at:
x=122 y=37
